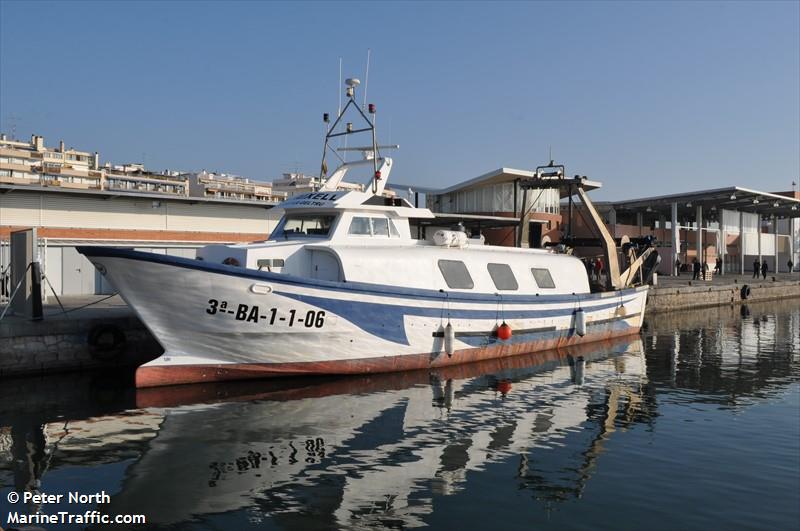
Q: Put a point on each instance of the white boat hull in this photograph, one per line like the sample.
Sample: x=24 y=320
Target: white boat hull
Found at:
x=220 y=322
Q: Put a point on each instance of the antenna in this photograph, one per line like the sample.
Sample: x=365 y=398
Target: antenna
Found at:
x=339 y=88
x=366 y=79
x=12 y=119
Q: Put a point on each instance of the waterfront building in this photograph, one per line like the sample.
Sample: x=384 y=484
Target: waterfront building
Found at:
x=735 y=224
x=498 y=194
x=72 y=200
x=176 y=225
x=752 y=224
x=226 y=186
x=135 y=178
x=299 y=183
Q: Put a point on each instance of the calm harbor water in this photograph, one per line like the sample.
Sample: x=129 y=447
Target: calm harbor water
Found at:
x=695 y=424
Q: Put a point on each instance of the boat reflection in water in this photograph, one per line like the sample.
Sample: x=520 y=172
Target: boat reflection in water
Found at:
x=358 y=450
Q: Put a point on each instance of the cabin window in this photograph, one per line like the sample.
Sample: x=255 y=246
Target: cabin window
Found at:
x=543 y=278
x=502 y=276
x=362 y=226
x=393 y=230
x=380 y=227
x=313 y=225
x=359 y=227
x=455 y=274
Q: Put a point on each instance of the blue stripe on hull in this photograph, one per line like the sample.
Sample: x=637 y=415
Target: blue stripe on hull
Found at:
x=519 y=338
x=386 y=321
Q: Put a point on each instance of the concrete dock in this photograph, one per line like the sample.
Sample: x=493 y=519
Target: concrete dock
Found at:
x=679 y=293
x=108 y=335
x=105 y=335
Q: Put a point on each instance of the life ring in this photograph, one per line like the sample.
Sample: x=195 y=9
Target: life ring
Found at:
x=745 y=292
x=106 y=342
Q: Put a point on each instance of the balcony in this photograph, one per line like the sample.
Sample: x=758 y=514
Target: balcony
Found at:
x=15 y=167
x=128 y=185
x=4 y=179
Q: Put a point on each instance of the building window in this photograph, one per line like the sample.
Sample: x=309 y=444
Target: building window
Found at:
x=502 y=276
x=456 y=275
x=543 y=278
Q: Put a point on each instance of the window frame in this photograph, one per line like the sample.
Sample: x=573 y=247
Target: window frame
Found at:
x=549 y=277
x=392 y=231
x=506 y=269
x=448 y=279
x=278 y=234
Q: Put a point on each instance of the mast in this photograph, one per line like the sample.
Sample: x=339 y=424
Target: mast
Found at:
x=369 y=126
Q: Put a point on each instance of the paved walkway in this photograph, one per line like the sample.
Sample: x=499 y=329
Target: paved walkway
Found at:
x=721 y=280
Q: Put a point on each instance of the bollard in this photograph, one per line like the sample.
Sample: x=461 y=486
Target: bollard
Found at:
x=36 y=291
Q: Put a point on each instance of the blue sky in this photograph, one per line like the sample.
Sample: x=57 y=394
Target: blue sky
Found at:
x=649 y=97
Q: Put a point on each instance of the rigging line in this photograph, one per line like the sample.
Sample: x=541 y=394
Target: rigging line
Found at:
x=15 y=292
x=87 y=305
x=335 y=153
x=589 y=225
x=54 y=293
x=366 y=79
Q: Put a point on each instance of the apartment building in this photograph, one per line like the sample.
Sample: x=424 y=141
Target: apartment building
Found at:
x=32 y=163
x=300 y=183
x=134 y=177
x=233 y=187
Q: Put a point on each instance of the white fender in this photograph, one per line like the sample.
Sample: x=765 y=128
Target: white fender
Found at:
x=580 y=322
x=449 y=339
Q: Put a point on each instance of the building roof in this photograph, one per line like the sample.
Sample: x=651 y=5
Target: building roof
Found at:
x=498 y=176
x=111 y=194
x=731 y=198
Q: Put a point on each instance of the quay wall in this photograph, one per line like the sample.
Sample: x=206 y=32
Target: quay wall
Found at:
x=701 y=295
x=68 y=344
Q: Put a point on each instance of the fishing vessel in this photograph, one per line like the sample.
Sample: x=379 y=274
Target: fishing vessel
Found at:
x=345 y=285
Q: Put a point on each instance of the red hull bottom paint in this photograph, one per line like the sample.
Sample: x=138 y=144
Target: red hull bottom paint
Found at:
x=185 y=374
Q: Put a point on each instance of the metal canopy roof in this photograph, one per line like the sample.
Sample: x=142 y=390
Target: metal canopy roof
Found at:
x=505 y=175
x=731 y=198
x=497 y=221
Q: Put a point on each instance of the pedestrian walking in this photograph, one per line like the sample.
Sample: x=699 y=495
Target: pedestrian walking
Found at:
x=718 y=266
x=678 y=267
x=790 y=265
x=695 y=269
x=756 y=268
x=764 y=269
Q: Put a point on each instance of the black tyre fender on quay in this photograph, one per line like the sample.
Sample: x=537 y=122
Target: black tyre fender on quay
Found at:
x=745 y=292
x=106 y=342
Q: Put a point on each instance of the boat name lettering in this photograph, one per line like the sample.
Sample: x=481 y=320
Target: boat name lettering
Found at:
x=278 y=455
x=320 y=196
x=271 y=316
